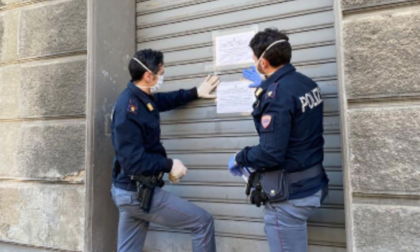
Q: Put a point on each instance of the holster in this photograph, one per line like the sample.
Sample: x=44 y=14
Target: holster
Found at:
x=146 y=186
x=256 y=196
x=270 y=186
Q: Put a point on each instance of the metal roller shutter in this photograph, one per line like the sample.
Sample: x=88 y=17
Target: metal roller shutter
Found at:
x=204 y=140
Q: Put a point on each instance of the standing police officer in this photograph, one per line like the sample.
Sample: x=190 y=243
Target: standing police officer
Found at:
x=288 y=176
x=141 y=160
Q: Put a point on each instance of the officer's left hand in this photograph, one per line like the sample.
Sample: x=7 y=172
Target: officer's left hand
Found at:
x=233 y=167
x=208 y=85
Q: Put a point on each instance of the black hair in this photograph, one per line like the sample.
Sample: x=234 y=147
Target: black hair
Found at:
x=279 y=54
x=150 y=58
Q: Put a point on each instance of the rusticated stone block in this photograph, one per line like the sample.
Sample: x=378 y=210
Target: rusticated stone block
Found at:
x=10 y=78
x=386 y=228
x=54 y=28
x=9 y=2
x=9 y=25
x=381 y=55
x=40 y=90
x=347 y=4
x=384 y=150
x=17 y=248
x=54 y=88
x=42 y=214
x=42 y=149
x=3 y=3
x=9 y=133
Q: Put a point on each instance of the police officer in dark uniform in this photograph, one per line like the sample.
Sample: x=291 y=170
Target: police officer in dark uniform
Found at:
x=286 y=169
x=141 y=160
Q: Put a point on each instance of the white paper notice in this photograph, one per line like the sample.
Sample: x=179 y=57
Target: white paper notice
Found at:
x=234 y=49
x=234 y=97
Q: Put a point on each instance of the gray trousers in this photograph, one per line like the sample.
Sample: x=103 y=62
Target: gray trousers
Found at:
x=167 y=210
x=286 y=223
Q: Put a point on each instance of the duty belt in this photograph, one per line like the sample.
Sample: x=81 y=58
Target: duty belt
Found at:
x=274 y=186
x=312 y=172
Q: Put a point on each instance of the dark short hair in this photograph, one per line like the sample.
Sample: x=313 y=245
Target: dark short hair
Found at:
x=279 y=54
x=150 y=58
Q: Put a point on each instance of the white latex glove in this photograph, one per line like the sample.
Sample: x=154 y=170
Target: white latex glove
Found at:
x=208 y=85
x=178 y=171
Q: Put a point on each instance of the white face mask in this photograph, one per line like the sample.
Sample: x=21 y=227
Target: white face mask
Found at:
x=263 y=75
x=158 y=84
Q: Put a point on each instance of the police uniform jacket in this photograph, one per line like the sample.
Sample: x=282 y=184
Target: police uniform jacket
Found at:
x=136 y=133
x=288 y=116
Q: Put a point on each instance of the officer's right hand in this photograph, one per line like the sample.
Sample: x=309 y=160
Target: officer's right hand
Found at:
x=178 y=171
x=208 y=85
x=252 y=75
x=233 y=167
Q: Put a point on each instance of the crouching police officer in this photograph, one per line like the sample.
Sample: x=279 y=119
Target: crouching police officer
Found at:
x=141 y=160
x=287 y=175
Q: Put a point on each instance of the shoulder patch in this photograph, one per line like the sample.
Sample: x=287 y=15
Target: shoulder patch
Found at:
x=266 y=121
x=133 y=106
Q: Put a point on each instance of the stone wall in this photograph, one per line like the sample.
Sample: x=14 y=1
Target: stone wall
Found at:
x=381 y=112
x=42 y=124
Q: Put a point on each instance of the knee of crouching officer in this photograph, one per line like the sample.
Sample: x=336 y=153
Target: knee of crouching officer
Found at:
x=206 y=221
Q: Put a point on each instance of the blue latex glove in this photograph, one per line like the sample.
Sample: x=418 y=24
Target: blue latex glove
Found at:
x=252 y=75
x=246 y=171
x=233 y=167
